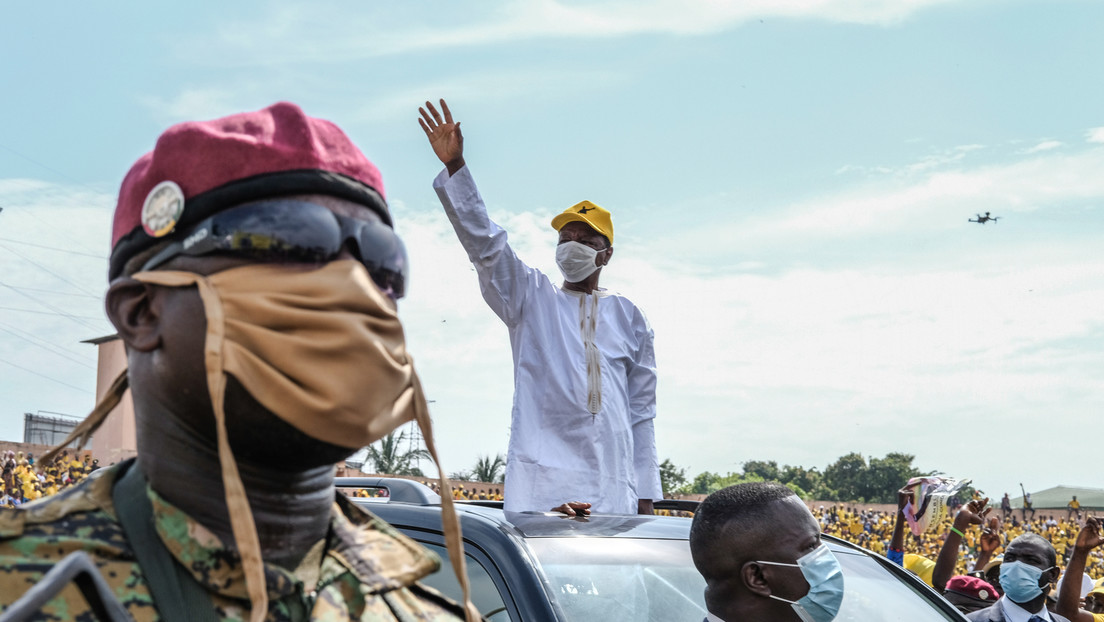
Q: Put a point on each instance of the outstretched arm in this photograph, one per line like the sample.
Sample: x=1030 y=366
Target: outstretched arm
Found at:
x=504 y=279
x=444 y=136
x=1069 y=596
x=973 y=513
x=897 y=543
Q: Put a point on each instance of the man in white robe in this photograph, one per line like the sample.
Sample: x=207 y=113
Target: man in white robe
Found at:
x=584 y=361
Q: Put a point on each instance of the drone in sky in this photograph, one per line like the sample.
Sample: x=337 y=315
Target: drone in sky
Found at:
x=981 y=220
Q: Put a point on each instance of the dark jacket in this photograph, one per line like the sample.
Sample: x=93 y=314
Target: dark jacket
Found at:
x=996 y=614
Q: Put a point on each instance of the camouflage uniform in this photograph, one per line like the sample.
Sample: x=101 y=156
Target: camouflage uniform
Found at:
x=367 y=572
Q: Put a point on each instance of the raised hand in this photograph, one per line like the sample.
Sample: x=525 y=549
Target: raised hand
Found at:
x=990 y=536
x=444 y=135
x=973 y=513
x=1089 y=537
x=904 y=495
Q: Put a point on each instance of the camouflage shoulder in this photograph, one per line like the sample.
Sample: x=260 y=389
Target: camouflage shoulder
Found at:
x=420 y=602
x=379 y=555
x=91 y=495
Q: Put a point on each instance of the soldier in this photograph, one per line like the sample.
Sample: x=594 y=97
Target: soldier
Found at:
x=254 y=277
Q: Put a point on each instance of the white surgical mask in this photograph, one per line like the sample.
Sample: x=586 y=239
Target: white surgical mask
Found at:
x=576 y=261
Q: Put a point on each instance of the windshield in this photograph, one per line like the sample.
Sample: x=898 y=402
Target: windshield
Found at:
x=615 y=579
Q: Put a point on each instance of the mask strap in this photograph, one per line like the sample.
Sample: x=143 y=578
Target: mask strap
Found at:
x=454 y=541
x=93 y=421
x=792 y=602
x=237 y=504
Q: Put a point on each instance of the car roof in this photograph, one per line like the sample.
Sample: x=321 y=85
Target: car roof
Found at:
x=405 y=496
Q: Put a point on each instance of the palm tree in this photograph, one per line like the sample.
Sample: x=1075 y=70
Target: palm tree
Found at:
x=388 y=457
x=489 y=470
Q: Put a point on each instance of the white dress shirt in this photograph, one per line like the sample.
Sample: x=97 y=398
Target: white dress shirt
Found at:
x=1016 y=613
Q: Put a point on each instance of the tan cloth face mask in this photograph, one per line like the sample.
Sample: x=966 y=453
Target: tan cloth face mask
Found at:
x=321 y=348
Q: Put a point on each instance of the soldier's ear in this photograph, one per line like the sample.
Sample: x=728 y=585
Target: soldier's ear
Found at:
x=133 y=309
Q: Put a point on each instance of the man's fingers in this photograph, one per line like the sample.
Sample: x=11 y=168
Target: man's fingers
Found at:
x=428 y=119
x=448 y=113
x=433 y=111
x=425 y=128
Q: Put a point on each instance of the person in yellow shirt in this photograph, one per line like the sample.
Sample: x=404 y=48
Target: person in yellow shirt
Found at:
x=1073 y=507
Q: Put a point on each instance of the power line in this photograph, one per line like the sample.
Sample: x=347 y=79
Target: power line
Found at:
x=52 y=248
x=51 y=307
x=62 y=382
x=33 y=161
x=47 y=270
x=18 y=310
x=62 y=232
x=56 y=293
x=34 y=341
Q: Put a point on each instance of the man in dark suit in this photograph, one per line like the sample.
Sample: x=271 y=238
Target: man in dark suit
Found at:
x=1029 y=567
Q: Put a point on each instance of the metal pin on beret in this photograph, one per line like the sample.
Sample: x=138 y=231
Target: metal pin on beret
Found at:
x=200 y=168
x=588 y=213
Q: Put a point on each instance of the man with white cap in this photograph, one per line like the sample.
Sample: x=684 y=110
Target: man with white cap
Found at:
x=584 y=363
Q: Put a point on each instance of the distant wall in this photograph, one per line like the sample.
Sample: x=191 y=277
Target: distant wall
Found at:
x=115 y=441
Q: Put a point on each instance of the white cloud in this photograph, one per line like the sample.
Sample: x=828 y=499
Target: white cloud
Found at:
x=301 y=34
x=1046 y=145
x=476 y=87
x=873 y=356
x=194 y=103
x=910 y=200
x=53 y=262
x=1095 y=135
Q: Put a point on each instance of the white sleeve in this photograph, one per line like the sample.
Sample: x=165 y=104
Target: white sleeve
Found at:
x=504 y=279
x=642 y=412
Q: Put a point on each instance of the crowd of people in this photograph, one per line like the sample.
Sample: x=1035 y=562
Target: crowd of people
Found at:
x=873 y=529
x=25 y=480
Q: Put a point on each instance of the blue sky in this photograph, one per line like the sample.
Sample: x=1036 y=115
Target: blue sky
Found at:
x=790 y=183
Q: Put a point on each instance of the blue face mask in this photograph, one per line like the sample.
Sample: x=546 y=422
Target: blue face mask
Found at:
x=822 y=571
x=1020 y=581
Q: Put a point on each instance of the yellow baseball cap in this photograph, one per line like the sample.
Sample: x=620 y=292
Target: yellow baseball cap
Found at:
x=595 y=217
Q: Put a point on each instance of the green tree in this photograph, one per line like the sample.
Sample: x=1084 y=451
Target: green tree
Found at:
x=671 y=478
x=806 y=479
x=885 y=476
x=387 y=456
x=701 y=482
x=490 y=470
x=847 y=477
x=765 y=469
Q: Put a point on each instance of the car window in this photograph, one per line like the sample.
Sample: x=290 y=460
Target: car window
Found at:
x=628 y=579
x=873 y=594
x=484 y=593
x=621 y=579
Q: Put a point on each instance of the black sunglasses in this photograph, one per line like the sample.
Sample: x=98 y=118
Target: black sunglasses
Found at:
x=291 y=230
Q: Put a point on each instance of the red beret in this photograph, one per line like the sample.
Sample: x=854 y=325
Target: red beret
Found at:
x=972 y=587
x=218 y=164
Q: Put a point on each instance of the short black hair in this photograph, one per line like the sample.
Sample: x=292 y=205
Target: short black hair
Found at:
x=1052 y=555
x=746 y=507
